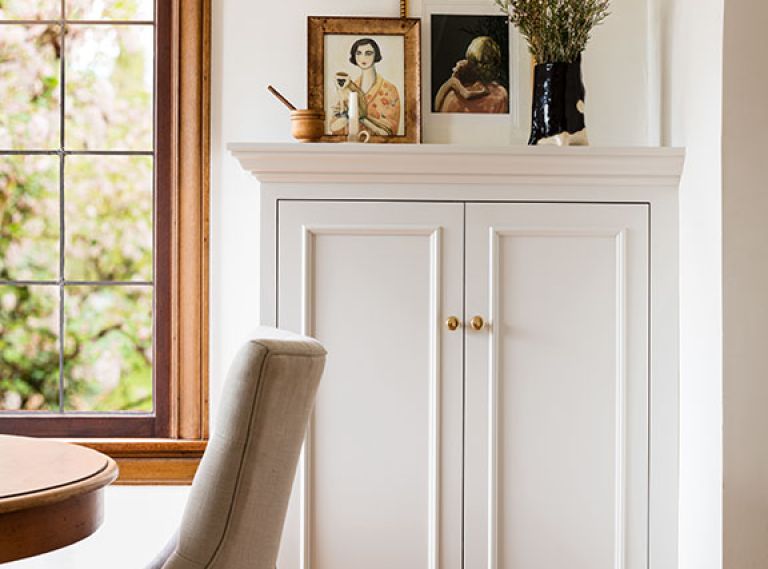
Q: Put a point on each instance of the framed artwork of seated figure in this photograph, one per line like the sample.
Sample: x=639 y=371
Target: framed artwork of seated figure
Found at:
x=476 y=74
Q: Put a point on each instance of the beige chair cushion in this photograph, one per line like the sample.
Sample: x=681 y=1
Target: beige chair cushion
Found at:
x=236 y=508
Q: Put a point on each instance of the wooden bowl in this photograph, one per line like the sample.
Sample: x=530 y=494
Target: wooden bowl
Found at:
x=307 y=125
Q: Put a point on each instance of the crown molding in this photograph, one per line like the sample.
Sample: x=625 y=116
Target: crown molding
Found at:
x=449 y=164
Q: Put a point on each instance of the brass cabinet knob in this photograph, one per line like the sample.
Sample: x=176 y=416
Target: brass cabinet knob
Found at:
x=452 y=323
x=477 y=323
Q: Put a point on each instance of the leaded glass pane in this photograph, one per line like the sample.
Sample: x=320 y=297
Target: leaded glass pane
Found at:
x=110 y=10
x=108 y=348
x=30 y=9
x=29 y=217
x=109 y=87
x=29 y=348
x=29 y=86
x=108 y=218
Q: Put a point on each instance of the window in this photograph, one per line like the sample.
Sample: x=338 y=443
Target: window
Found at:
x=102 y=259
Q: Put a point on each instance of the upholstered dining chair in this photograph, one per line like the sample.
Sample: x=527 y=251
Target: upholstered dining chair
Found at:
x=236 y=507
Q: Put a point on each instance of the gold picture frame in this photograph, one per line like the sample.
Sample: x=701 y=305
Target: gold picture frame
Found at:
x=380 y=59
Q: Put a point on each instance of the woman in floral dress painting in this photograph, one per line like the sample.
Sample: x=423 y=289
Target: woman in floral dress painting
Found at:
x=379 y=100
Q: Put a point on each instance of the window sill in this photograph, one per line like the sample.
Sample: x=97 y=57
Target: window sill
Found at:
x=150 y=462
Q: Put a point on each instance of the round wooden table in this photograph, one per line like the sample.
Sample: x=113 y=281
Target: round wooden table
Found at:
x=51 y=494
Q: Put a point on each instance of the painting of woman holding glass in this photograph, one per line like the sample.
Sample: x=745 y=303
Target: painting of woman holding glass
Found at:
x=372 y=65
x=378 y=99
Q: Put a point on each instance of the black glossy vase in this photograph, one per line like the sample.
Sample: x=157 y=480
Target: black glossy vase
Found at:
x=558 y=105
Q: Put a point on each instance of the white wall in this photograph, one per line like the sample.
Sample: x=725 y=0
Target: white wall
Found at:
x=622 y=79
x=745 y=260
x=692 y=99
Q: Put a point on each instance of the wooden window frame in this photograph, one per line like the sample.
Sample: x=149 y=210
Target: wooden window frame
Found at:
x=183 y=88
x=174 y=460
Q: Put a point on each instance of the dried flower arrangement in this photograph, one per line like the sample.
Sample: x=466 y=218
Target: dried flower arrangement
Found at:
x=557 y=31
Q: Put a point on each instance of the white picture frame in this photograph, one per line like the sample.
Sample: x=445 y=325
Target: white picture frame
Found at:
x=477 y=129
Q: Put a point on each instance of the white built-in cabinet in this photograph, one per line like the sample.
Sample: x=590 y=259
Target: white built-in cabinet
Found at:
x=501 y=326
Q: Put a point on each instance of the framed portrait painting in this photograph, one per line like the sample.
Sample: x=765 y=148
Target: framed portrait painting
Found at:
x=365 y=74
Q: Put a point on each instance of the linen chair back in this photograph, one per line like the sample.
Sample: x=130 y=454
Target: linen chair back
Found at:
x=236 y=508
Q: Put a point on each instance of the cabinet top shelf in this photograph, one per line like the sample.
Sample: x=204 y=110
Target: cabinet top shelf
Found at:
x=441 y=164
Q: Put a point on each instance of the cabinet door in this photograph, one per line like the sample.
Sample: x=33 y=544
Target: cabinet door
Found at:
x=557 y=386
x=379 y=485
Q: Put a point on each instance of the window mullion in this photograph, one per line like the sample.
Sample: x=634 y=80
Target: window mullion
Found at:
x=62 y=113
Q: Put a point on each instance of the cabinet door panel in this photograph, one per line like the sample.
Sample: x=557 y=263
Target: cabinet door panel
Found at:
x=380 y=483
x=557 y=386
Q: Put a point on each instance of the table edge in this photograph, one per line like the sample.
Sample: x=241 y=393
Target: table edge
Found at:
x=96 y=481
